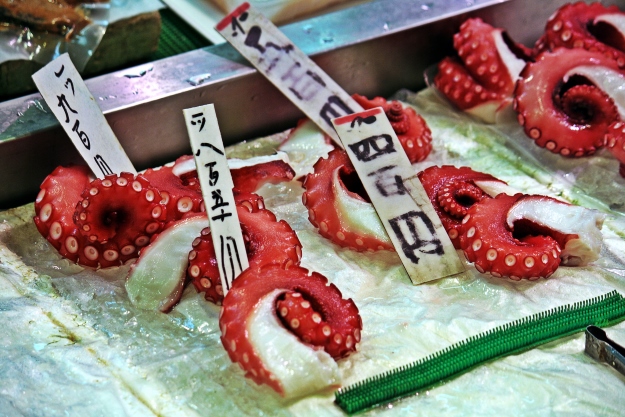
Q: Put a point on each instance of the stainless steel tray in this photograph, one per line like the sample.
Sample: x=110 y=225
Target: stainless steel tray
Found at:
x=374 y=48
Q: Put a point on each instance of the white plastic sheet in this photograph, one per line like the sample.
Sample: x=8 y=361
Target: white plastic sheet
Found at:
x=72 y=344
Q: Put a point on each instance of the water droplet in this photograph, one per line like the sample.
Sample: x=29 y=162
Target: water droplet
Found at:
x=198 y=79
x=307 y=28
x=426 y=6
x=385 y=27
x=327 y=39
x=38 y=105
x=138 y=72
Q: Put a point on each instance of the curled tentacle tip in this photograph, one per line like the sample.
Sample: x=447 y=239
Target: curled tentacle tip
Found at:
x=563 y=100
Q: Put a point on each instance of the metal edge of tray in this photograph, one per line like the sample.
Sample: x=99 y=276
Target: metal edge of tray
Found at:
x=374 y=48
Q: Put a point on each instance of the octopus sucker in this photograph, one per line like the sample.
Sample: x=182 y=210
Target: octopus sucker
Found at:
x=561 y=112
x=615 y=142
x=303 y=320
x=57 y=199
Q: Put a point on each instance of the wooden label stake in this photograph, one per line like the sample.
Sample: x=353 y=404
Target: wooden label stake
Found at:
x=403 y=206
x=66 y=94
x=216 y=182
x=287 y=67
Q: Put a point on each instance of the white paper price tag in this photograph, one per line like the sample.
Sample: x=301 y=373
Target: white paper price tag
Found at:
x=287 y=67
x=216 y=183
x=63 y=89
x=403 y=206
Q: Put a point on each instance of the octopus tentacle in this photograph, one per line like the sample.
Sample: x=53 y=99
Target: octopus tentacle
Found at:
x=452 y=191
x=55 y=206
x=267 y=241
x=304 y=320
x=180 y=193
x=455 y=197
x=248 y=175
x=593 y=27
x=412 y=130
x=481 y=80
x=251 y=178
x=559 y=115
x=254 y=288
x=121 y=213
x=477 y=47
x=460 y=88
x=345 y=217
x=491 y=245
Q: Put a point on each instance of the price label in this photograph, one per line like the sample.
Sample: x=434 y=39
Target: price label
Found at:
x=397 y=195
x=217 y=185
x=287 y=67
x=63 y=89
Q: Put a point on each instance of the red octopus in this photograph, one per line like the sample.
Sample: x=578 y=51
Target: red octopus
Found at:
x=104 y=223
x=452 y=191
x=493 y=248
x=55 y=206
x=336 y=200
x=508 y=234
x=181 y=191
x=338 y=204
x=267 y=240
x=481 y=80
x=121 y=213
x=102 y=231
x=306 y=303
x=593 y=27
x=562 y=104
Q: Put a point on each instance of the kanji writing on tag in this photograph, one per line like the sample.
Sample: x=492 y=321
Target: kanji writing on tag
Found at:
x=373 y=147
x=216 y=182
x=388 y=184
x=199 y=119
x=213 y=179
x=230 y=265
x=334 y=107
x=104 y=167
x=65 y=106
x=67 y=110
x=81 y=118
x=416 y=233
x=219 y=204
x=288 y=68
x=213 y=174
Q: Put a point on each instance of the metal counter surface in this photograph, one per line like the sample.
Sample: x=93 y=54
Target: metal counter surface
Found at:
x=374 y=48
